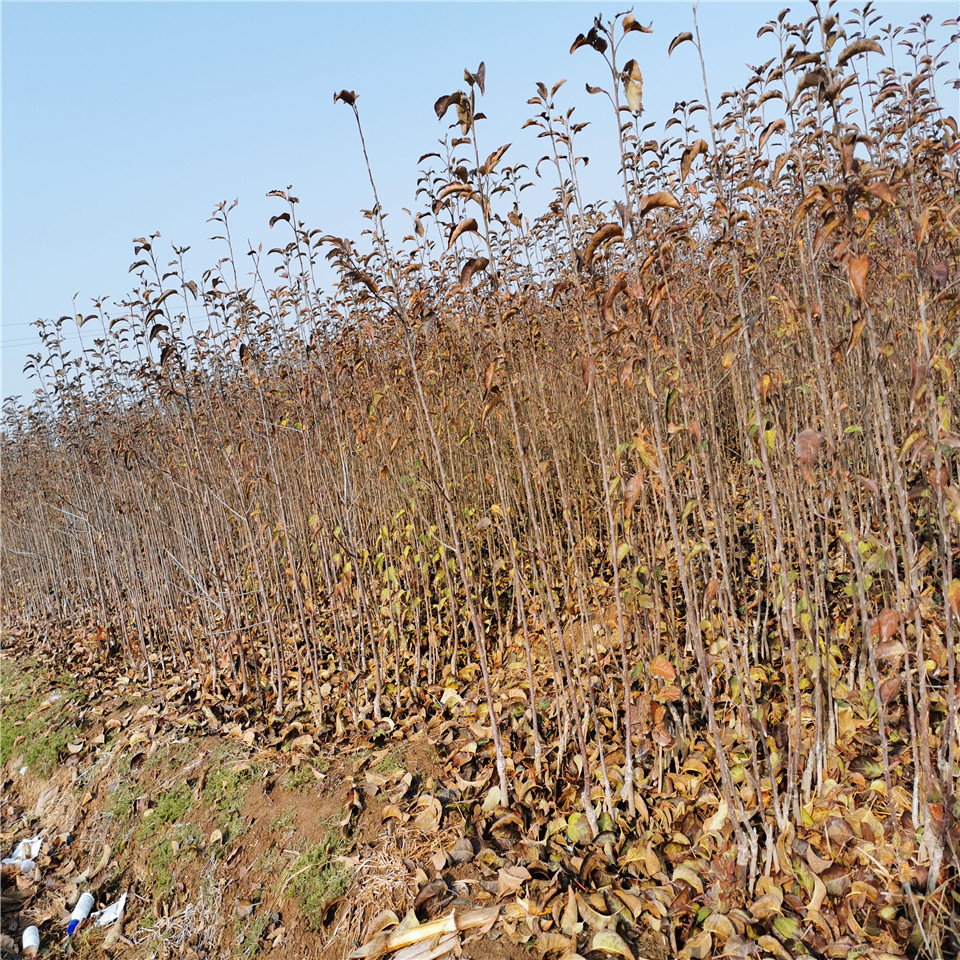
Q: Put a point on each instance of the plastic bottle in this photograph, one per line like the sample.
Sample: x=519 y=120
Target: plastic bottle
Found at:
x=80 y=913
x=31 y=942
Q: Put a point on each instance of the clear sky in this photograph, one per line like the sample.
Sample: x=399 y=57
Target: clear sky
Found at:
x=122 y=119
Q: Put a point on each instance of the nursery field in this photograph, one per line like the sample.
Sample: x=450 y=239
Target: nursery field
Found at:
x=574 y=582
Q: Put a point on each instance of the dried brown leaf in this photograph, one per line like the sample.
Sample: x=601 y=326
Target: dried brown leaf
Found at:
x=608 y=233
x=655 y=200
x=661 y=667
x=588 y=371
x=863 y=45
x=467 y=225
x=677 y=40
x=632 y=492
x=633 y=86
x=857 y=269
x=472 y=266
x=690 y=154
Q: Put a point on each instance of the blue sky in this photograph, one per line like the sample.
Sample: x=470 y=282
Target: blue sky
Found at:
x=122 y=119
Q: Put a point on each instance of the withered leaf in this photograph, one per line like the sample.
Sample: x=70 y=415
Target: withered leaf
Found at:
x=630 y=23
x=488 y=376
x=477 y=78
x=608 y=233
x=468 y=225
x=863 y=45
x=953 y=597
x=890 y=689
x=613 y=291
x=631 y=493
x=883 y=191
x=767 y=906
x=806 y=451
x=857 y=269
x=443 y=104
x=823 y=233
x=661 y=667
x=769 y=130
x=690 y=154
x=677 y=40
x=511 y=879
x=633 y=86
x=493 y=401
x=494 y=158
x=472 y=266
x=655 y=200
x=588 y=371
x=610 y=942
x=886 y=624
x=683 y=872
x=856 y=332
x=591 y=39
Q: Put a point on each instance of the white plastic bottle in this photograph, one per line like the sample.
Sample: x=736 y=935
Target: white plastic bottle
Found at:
x=80 y=913
x=31 y=942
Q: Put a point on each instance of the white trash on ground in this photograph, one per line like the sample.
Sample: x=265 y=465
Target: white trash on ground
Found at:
x=31 y=941
x=108 y=915
x=80 y=913
x=25 y=850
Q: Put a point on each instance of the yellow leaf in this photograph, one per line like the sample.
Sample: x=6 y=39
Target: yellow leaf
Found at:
x=492 y=800
x=766 y=906
x=680 y=872
x=953 y=597
x=610 y=942
x=716 y=822
x=579 y=829
x=698 y=947
x=773 y=946
x=720 y=925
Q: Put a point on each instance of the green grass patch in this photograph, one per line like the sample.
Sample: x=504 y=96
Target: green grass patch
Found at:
x=391 y=762
x=34 y=717
x=269 y=860
x=319 y=876
x=172 y=806
x=225 y=790
x=249 y=935
x=282 y=823
x=45 y=750
x=169 y=756
x=303 y=775
x=176 y=848
x=123 y=791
